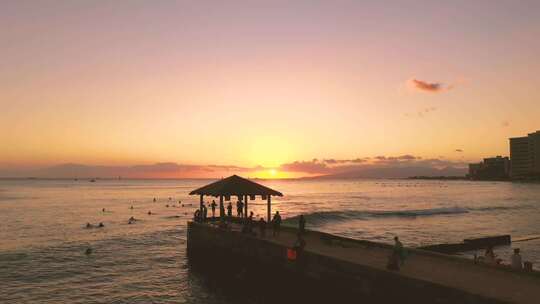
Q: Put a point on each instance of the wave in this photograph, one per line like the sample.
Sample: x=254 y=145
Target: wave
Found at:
x=495 y=208
x=330 y=216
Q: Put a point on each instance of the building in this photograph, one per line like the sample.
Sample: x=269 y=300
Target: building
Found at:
x=525 y=156
x=493 y=168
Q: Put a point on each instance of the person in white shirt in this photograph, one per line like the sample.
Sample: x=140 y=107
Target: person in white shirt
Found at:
x=516 y=260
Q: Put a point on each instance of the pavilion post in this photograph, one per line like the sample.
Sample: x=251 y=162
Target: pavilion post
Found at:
x=201 y=205
x=221 y=208
x=246 y=203
x=269 y=206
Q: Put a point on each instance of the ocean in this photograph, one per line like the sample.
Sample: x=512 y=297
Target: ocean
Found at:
x=44 y=238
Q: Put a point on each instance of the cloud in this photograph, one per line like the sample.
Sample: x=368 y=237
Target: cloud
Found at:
x=505 y=123
x=431 y=87
x=310 y=167
x=459 y=150
x=397 y=166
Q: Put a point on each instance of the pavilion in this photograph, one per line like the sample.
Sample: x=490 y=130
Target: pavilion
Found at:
x=240 y=187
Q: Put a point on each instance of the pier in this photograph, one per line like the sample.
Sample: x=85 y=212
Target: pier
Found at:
x=343 y=268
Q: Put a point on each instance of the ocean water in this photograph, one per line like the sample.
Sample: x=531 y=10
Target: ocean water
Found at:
x=43 y=235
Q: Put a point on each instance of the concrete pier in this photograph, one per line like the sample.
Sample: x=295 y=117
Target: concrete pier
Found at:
x=345 y=269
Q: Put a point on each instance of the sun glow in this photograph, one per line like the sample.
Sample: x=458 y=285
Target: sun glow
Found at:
x=272 y=173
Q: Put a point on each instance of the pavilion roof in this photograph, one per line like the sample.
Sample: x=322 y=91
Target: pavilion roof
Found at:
x=233 y=186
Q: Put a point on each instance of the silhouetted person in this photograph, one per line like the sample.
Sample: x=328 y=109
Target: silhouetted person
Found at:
x=103 y=210
x=239 y=208
x=221 y=210
x=301 y=224
x=399 y=250
x=229 y=210
x=131 y=207
x=516 y=260
x=395 y=260
x=489 y=256
x=149 y=212
x=213 y=206
x=276 y=224
x=205 y=213
x=197 y=215
x=101 y=225
x=262 y=227
x=154 y=199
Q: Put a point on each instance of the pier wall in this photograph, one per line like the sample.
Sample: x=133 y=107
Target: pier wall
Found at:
x=324 y=278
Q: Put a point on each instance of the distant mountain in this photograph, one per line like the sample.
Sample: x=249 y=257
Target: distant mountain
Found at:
x=397 y=172
x=71 y=170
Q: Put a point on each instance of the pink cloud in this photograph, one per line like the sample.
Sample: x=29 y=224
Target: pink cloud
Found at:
x=425 y=86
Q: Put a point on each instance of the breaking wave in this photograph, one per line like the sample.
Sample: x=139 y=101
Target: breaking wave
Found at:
x=330 y=216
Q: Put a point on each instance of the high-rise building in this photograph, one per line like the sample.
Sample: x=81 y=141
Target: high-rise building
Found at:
x=525 y=156
x=534 y=148
x=493 y=168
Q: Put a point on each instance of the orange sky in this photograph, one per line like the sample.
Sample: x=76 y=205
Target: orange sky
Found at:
x=266 y=84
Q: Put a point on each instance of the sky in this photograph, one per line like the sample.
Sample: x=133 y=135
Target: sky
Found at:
x=265 y=88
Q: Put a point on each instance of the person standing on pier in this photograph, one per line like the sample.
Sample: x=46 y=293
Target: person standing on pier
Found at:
x=301 y=224
x=489 y=256
x=239 y=208
x=516 y=260
x=229 y=210
x=396 y=258
x=205 y=213
x=213 y=206
x=221 y=210
x=276 y=224
x=399 y=250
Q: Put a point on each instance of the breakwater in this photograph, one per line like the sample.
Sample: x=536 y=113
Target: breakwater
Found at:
x=337 y=268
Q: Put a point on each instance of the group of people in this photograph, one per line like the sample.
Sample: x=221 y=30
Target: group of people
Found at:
x=248 y=224
x=490 y=257
x=201 y=214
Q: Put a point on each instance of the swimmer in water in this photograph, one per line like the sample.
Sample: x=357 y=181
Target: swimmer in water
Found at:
x=154 y=199
x=101 y=225
x=88 y=251
x=149 y=212
x=131 y=207
x=88 y=225
x=103 y=210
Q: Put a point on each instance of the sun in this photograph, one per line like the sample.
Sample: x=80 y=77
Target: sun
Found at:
x=272 y=172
